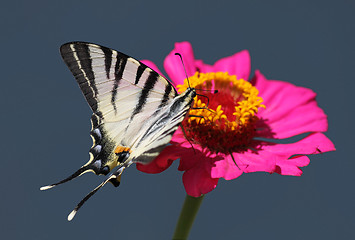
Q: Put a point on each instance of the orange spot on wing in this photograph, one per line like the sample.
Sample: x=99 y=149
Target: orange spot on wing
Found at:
x=120 y=149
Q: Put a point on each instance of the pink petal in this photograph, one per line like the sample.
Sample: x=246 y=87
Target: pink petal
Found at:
x=260 y=161
x=198 y=181
x=286 y=156
x=190 y=158
x=284 y=159
x=173 y=65
x=290 y=110
x=291 y=166
x=203 y=67
x=197 y=166
x=227 y=169
x=238 y=64
x=178 y=137
x=187 y=161
x=314 y=143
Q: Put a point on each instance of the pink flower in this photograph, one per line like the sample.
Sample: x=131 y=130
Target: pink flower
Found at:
x=233 y=137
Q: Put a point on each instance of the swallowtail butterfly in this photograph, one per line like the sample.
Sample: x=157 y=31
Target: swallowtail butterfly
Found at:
x=135 y=110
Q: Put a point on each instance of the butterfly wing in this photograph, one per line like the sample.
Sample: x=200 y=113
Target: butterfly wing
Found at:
x=123 y=93
x=135 y=110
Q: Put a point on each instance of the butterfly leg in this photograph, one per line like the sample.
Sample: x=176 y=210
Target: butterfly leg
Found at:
x=185 y=135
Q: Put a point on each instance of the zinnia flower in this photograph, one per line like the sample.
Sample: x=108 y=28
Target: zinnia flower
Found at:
x=234 y=135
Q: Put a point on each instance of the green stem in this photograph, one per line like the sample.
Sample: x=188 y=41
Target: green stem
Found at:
x=187 y=217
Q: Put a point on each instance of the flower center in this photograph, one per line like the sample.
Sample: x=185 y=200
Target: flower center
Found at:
x=227 y=123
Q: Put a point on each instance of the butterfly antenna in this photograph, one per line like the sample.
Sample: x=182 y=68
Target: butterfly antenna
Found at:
x=114 y=178
x=188 y=81
x=81 y=171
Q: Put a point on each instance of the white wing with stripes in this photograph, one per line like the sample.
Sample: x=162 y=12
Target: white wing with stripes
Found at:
x=124 y=95
x=135 y=110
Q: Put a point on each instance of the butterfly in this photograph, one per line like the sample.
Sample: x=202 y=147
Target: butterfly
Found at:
x=135 y=110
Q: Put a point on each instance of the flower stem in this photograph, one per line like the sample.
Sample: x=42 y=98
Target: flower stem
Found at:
x=187 y=217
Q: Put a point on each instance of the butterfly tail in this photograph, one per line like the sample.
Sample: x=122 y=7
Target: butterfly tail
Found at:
x=79 y=172
x=114 y=178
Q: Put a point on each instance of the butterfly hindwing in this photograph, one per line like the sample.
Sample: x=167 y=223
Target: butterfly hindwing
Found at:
x=159 y=132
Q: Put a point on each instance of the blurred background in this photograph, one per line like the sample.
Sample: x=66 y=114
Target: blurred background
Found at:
x=45 y=119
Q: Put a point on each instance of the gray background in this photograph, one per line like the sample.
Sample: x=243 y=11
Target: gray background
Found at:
x=45 y=119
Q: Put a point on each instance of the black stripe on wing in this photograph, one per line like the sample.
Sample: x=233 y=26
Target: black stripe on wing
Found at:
x=108 y=60
x=140 y=71
x=80 y=57
x=148 y=86
x=85 y=61
x=119 y=69
x=77 y=58
x=178 y=109
x=164 y=101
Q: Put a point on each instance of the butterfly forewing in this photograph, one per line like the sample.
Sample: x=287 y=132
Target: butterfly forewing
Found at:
x=107 y=77
x=124 y=93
